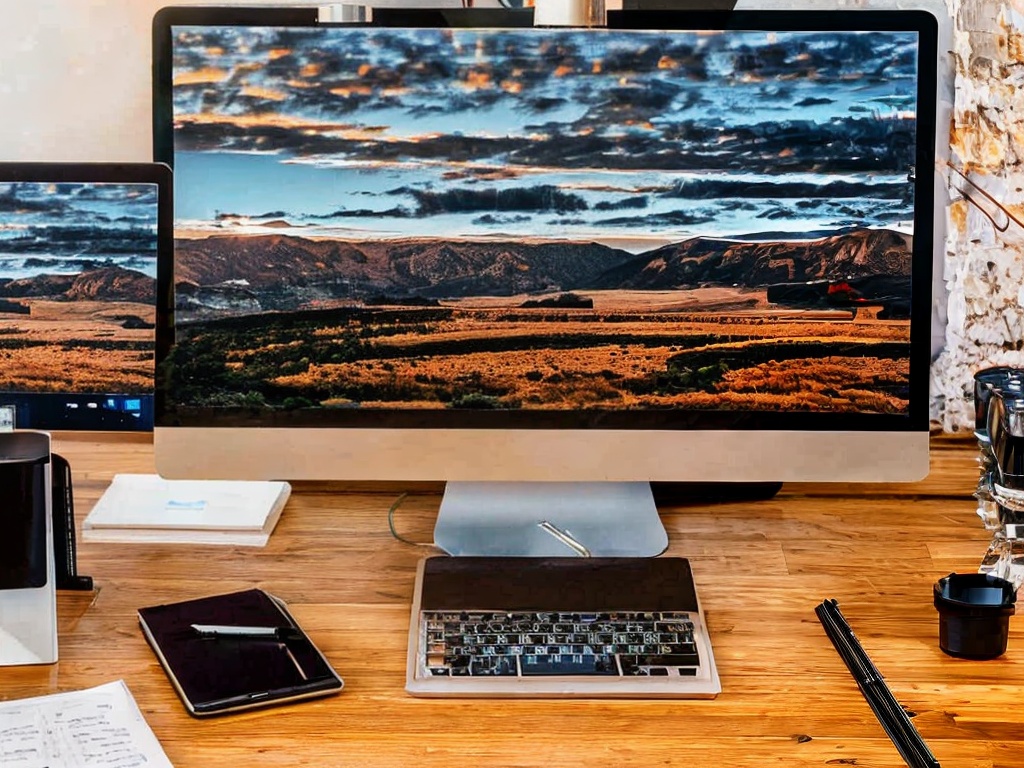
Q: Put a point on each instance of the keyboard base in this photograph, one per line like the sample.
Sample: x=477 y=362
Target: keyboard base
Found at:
x=471 y=585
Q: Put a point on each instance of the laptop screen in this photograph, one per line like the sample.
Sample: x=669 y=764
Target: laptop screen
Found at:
x=78 y=252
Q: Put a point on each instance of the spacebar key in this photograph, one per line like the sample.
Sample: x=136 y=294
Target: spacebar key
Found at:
x=566 y=664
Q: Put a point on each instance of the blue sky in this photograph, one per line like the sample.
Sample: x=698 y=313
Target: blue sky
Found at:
x=62 y=228
x=597 y=134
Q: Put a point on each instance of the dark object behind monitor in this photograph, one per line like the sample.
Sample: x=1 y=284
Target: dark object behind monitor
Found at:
x=668 y=494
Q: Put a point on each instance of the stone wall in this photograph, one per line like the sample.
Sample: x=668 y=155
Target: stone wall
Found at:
x=984 y=266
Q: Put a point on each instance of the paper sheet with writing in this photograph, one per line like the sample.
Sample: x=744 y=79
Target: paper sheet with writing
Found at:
x=98 y=727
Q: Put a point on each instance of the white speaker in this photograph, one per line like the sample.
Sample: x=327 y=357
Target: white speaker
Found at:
x=28 y=595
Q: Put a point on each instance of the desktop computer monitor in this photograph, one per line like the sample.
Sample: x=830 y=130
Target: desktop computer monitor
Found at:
x=78 y=271
x=546 y=265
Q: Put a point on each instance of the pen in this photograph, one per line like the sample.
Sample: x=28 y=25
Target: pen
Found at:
x=234 y=631
x=890 y=714
x=277 y=634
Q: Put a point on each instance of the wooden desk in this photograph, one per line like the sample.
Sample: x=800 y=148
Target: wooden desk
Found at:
x=760 y=568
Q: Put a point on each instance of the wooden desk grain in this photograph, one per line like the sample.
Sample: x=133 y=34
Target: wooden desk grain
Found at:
x=760 y=568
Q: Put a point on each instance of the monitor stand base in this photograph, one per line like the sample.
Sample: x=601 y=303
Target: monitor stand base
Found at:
x=550 y=520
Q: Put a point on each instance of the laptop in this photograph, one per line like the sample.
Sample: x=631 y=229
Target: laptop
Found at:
x=79 y=244
x=534 y=626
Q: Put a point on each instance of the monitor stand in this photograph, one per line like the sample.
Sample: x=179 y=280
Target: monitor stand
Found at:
x=572 y=519
x=550 y=520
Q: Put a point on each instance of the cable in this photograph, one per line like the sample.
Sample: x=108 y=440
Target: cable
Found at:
x=1010 y=217
x=391 y=525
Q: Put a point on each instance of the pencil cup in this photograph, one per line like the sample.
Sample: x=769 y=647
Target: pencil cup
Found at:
x=974 y=614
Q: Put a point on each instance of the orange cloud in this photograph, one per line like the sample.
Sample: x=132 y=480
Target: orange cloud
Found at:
x=263 y=93
x=349 y=90
x=200 y=76
x=477 y=79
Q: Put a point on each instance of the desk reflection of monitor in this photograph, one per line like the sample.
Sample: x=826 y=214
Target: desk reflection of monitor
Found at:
x=78 y=254
x=688 y=247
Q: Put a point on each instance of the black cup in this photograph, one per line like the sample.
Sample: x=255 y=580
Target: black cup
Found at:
x=23 y=510
x=974 y=614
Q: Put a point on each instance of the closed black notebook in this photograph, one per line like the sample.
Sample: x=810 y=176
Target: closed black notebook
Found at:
x=226 y=673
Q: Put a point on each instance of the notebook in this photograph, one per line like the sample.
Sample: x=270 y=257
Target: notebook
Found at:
x=150 y=508
x=215 y=672
x=97 y=727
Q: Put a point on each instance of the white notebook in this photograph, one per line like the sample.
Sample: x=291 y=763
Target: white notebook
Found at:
x=150 y=508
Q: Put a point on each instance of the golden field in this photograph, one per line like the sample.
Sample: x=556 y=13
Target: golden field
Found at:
x=77 y=346
x=492 y=353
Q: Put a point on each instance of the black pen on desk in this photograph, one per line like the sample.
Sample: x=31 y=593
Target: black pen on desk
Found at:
x=891 y=716
x=887 y=710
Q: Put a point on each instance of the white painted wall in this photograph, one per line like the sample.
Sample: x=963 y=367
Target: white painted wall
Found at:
x=74 y=80
x=75 y=76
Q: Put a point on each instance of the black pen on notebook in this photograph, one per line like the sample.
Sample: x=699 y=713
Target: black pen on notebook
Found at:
x=241 y=632
x=236 y=632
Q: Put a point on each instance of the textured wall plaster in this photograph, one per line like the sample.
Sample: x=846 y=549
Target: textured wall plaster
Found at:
x=984 y=267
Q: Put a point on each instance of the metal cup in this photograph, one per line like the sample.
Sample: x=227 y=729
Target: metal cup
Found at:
x=985 y=383
x=1006 y=438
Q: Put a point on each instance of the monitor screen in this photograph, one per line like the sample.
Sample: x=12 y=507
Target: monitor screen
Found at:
x=78 y=270
x=678 y=225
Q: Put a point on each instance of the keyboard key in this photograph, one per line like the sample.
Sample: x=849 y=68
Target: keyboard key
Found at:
x=493 y=666
x=631 y=663
x=575 y=664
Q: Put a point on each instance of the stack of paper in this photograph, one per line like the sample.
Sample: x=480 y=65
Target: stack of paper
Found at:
x=150 y=508
x=100 y=727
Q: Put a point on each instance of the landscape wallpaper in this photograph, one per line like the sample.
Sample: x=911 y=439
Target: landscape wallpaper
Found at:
x=77 y=287
x=566 y=220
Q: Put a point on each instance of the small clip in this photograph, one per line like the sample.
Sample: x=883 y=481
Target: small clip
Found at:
x=565 y=537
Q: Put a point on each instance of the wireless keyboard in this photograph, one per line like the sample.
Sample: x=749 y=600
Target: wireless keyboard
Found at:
x=501 y=626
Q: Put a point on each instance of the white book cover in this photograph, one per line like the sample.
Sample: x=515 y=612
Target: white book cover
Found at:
x=151 y=508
